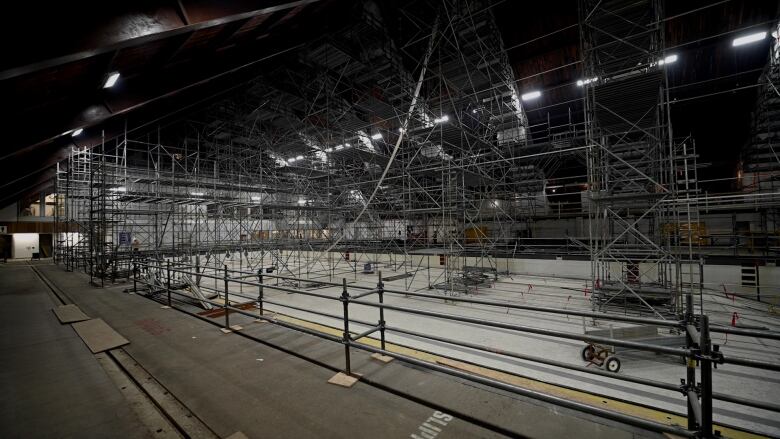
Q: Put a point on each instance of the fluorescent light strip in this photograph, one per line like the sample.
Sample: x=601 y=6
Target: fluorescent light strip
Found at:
x=581 y=82
x=111 y=80
x=377 y=136
x=77 y=132
x=747 y=39
x=531 y=95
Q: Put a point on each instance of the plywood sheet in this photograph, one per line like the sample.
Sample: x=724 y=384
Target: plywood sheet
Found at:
x=343 y=380
x=98 y=335
x=69 y=314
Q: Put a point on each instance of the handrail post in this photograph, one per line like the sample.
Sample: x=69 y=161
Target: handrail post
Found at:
x=346 y=337
x=690 y=362
x=135 y=277
x=225 y=307
x=705 y=345
x=380 y=286
x=260 y=290
x=168 y=282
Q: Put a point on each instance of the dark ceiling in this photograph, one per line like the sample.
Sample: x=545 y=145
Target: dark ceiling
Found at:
x=175 y=56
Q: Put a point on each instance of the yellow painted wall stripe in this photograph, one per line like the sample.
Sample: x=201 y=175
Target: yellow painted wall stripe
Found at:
x=627 y=408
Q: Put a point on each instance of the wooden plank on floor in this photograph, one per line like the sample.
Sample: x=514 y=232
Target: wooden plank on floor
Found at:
x=397 y=277
x=69 y=314
x=98 y=335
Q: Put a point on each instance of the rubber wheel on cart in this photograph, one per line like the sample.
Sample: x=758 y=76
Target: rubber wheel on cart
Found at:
x=588 y=352
x=612 y=364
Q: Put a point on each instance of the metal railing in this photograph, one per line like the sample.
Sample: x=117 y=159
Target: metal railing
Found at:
x=698 y=351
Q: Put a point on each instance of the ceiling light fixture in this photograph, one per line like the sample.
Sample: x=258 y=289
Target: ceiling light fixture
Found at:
x=377 y=136
x=76 y=132
x=747 y=39
x=582 y=82
x=197 y=194
x=531 y=95
x=300 y=157
x=118 y=189
x=444 y=118
x=111 y=80
x=669 y=59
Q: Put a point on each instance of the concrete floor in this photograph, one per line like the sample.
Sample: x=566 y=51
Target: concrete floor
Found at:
x=52 y=385
x=565 y=293
x=234 y=384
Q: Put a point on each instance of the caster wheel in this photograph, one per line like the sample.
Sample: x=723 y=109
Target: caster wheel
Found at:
x=612 y=364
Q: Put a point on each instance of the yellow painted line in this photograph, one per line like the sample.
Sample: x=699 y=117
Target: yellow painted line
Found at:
x=627 y=408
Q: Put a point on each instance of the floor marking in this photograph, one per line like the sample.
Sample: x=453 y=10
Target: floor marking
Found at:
x=428 y=431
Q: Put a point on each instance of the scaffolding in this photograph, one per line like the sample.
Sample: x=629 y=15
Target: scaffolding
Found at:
x=280 y=171
x=303 y=159
x=640 y=176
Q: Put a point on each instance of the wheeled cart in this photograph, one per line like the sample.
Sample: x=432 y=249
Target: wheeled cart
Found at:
x=606 y=356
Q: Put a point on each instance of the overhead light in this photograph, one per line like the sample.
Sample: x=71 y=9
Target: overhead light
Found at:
x=444 y=118
x=347 y=145
x=328 y=149
x=670 y=59
x=118 y=189
x=301 y=201
x=77 y=132
x=474 y=111
x=300 y=157
x=667 y=60
x=582 y=82
x=291 y=160
x=339 y=147
x=377 y=136
x=197 y=194
x=531 y=95
x=256 y=198
x=111 y=80
x=747 y=39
